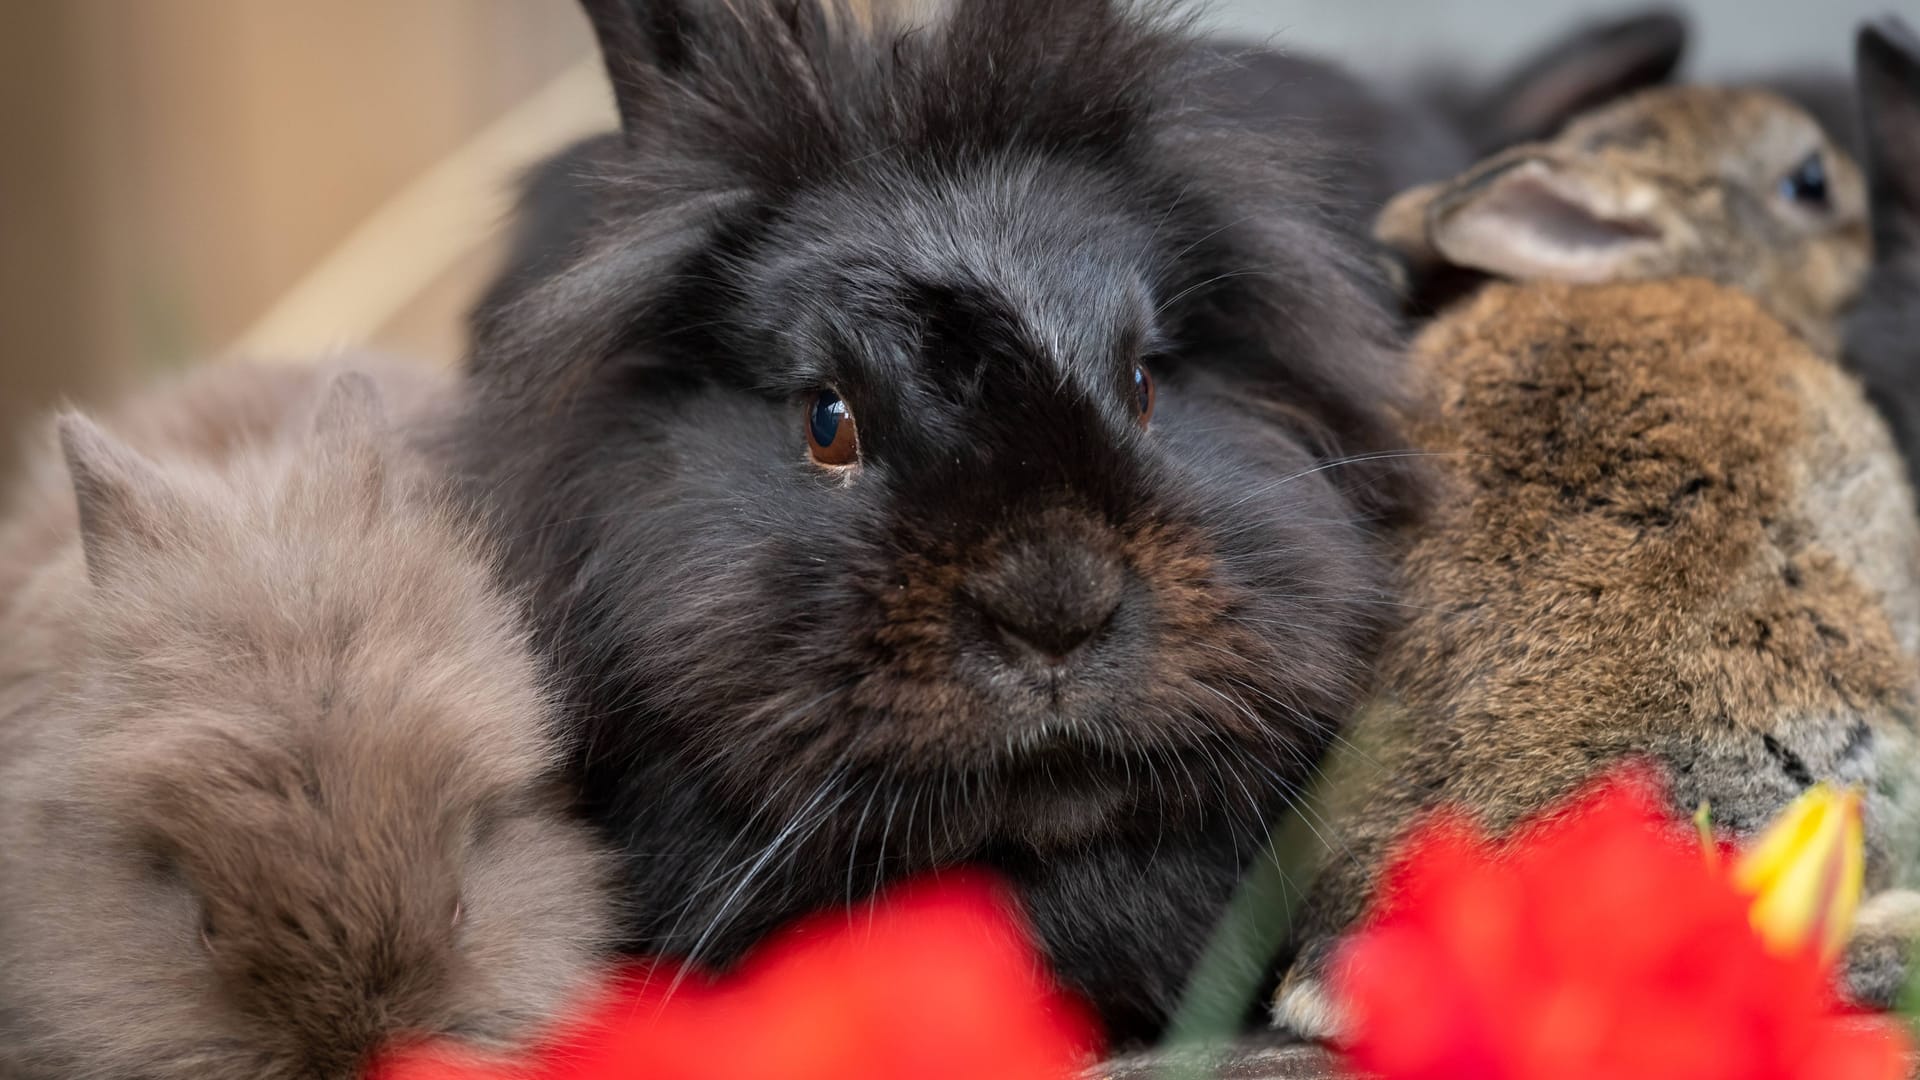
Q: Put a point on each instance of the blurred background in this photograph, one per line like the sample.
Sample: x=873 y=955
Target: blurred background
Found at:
x=187 y=179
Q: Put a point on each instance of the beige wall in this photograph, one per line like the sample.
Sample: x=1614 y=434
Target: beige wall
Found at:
x=170 y=168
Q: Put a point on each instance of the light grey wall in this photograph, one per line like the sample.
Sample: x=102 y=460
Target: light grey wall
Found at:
x=1378 y=36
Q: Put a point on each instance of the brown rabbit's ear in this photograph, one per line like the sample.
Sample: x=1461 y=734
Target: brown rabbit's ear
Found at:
x=1588 y=67
x=1401 y=226
x=1532 y=218
x=1888 y=68
x=125 y=502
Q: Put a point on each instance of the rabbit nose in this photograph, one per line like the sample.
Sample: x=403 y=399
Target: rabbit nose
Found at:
x=1045 y=601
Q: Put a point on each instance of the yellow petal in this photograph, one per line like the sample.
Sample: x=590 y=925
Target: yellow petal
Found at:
x=1806 y=871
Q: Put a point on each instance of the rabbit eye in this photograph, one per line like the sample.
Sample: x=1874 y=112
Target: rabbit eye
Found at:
x=830 y=433
x=1143 y=394
x=1807 y=183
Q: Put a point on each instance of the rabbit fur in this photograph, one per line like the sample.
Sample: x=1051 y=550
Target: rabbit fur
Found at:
x=278 y=772
x=794 y=682
x=1737 y=185
x=1670 y=530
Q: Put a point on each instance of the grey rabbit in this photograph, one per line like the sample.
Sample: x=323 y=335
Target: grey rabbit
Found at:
x=277 y=771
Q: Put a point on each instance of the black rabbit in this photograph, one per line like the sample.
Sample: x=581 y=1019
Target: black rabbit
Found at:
x=1376 y=138
x=944 y=448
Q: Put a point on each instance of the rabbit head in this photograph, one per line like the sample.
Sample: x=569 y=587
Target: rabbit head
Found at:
x=1669 y=531
x=1883 y=331
x=1735 y=185
x=294 y=796
x=940 y=450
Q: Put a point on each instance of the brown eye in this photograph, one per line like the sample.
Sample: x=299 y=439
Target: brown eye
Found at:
x=830 y=434
x=1142 y=394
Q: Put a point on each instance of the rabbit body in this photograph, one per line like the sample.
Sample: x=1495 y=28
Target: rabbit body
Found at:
x=277 y=770
x=1669 y=530
x=1099 y=565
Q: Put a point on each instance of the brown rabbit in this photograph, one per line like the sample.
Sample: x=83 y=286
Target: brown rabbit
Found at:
x=1736 y=185
x=1667 y=529
x=1673 y=531
x=276 y=771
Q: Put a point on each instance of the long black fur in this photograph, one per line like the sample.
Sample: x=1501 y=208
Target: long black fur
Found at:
x=791 y=684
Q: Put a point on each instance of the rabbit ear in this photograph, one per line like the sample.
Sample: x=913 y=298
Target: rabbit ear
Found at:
x=1589 y=67
x=1530 y=218
x=641 y=42
x=351 y=410
x=1888 y=69
x=349 y=428
x=1401 y=226
x=125 y=502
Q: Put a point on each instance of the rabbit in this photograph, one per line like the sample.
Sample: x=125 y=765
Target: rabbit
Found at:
x=1377 y=139
x=1882 y=336
x=1737 y=185
x=1576 y=72
x=945 y=447
x=1668 y=529
x=278 y=766
x=1381 y=139
x=1562 y=614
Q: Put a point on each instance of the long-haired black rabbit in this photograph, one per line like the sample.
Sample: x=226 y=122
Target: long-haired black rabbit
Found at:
x=942 y=450
x=1376 y=138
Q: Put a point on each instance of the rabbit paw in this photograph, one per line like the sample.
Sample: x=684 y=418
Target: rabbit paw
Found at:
x=1879 y=955
x=1304 y=1009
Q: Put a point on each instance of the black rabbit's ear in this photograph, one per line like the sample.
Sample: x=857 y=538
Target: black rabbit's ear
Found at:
x=642 y=42
x=1587 y=68
x=1529 y=217
x=126 y=505
x=1888 y=69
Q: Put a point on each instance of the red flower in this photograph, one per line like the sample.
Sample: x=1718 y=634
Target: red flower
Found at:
x=937 y=980
x=1597 y=944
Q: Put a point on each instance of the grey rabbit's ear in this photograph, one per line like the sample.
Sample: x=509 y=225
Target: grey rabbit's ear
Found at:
x=125 y=503
x=1887 y=62
x=350 y=410
x=642 y=43
x=351 y=427
x=1529 y=217
x=1588 y=67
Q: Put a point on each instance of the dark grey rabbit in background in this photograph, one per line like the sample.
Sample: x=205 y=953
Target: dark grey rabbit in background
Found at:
x=1883 y=332
x=943 y=446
